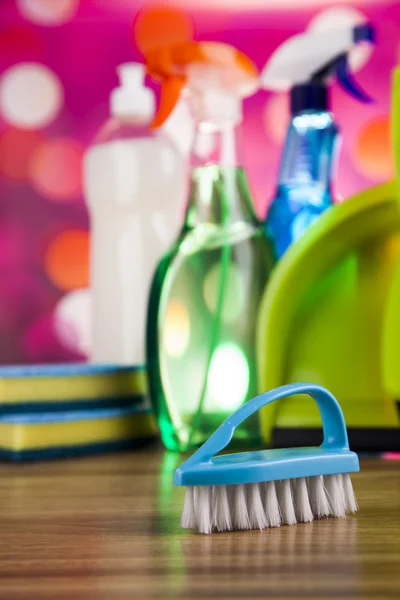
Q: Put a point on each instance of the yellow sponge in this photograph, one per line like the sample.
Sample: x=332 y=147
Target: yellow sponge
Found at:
x=64 y=433
x=61 y=387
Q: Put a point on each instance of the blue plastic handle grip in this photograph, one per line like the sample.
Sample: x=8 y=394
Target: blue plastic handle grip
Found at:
x=333 y=424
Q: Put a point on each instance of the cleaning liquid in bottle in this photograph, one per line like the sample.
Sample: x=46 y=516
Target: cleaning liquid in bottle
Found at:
x=207 y=288
x=304 y=64
x=134 y=184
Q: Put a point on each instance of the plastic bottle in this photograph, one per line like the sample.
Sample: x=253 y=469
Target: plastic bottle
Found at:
x=207 y=288
x=304 y=64
x=134 y=185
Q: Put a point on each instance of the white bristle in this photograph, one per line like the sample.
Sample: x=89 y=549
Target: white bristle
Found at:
x=196 y=498
x=240 y=514
x=339 y=479
x=214 y=506
x=261 y=505
x=304 y=513
x=318 y=497
x=349 y=496
x=222 y=513
x=257 y=516
x=286 y=503
x=188 y=520
x=336 y=497
x=204 y=510
x=272 y=511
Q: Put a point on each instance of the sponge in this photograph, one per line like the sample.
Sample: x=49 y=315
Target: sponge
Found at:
x=65 y=433
x=31 y=388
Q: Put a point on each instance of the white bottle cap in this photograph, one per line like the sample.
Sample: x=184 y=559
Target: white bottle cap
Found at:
x=132 y=98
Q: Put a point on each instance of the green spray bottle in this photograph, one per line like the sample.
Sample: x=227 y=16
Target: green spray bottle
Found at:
x=206 y=292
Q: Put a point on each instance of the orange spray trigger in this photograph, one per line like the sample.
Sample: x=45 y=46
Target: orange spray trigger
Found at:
x=210 y=64
x=171 y=89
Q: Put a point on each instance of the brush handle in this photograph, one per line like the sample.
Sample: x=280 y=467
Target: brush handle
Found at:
x=333 y=424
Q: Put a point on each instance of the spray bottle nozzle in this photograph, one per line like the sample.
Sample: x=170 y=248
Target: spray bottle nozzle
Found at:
x=211 y=71
x=340 y=65
x=304 y=63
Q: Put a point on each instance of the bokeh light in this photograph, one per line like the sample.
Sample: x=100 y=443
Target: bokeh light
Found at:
x=276 y=117
x=16 y=149
x=48 y=12
x=31 y=95
x=372 y=150
x=56 y=170
x=157 y=25
x=234 y=297
x=67 y=259
x=176 y=328
x=229 y=377
x=391 y=455
x=72 y=318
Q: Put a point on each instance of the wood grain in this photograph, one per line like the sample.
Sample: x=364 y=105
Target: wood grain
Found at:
x=108 y=528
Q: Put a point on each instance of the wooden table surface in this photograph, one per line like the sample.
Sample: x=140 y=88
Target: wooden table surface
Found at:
x=108 y=528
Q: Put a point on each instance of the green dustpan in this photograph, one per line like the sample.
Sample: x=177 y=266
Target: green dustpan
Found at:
x=321 y=316
x=391 y=324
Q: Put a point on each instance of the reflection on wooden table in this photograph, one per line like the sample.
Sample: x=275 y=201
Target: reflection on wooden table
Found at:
x=108 y=527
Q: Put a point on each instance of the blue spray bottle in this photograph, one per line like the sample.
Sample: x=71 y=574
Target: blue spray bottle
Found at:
x=304 y=64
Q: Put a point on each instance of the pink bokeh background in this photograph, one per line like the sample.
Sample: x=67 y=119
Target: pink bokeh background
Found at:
x=72 y=48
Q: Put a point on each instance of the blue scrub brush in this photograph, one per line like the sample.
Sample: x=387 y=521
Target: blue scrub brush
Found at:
x=269 y=488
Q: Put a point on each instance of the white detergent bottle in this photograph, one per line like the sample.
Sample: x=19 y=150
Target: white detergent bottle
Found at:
x=134 y=184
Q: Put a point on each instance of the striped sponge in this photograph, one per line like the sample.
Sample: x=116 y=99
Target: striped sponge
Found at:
x=64 y=433
x=31 y=388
